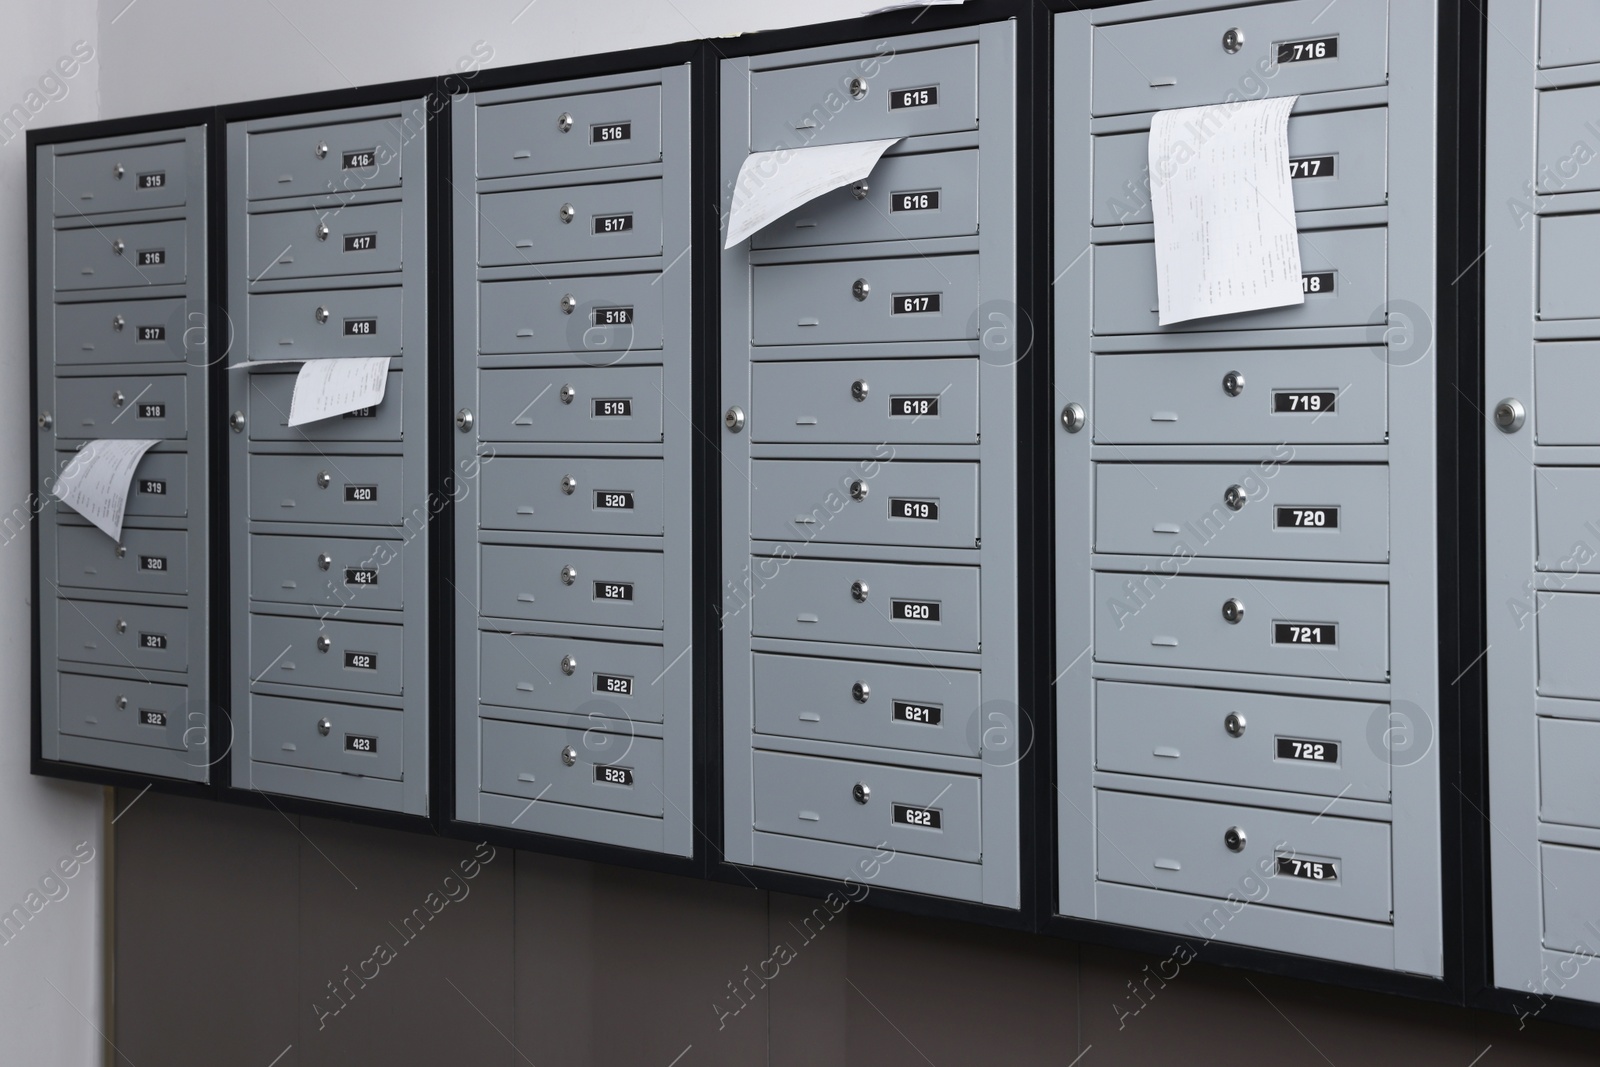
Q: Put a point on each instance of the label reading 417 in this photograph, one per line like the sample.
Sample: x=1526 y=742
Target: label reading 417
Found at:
x=1311 y=870
x=911 y=815
x=915 y=610
x=1293 y=748
x=1305 y=633
x=360 y=242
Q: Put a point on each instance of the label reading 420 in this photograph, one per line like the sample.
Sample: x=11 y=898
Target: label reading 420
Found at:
x=911 y=815
x=360 y=494
x=1301 y=751
x=1305 y=633
x=1311 y=870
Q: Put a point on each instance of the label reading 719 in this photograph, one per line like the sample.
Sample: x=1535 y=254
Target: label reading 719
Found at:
x=1291 y=402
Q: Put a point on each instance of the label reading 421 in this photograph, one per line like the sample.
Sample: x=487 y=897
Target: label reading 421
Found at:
x=361 y=576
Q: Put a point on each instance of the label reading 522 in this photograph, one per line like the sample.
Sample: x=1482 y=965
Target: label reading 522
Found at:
x=914 y=610
x=1311 y=870
x=1302 y=518
x=1304 y=51
x=914 y=303
x=1293 y=748
x=911 y=815
x=361 y=661
x=614 y=684
x=1305 y=633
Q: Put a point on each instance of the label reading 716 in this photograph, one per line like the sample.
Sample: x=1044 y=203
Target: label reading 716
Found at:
x=1305 y=51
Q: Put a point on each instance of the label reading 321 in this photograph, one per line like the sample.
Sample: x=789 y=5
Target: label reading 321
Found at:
x=152 y=641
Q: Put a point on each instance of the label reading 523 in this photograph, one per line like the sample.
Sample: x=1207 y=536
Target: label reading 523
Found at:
x=613 y=775
x=914 y=610
x=1293 y=748
x=1304 y=518
x=911 y=815
x=1305 y=633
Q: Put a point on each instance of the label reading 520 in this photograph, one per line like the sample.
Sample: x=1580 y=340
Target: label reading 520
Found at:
x=911 y=815
x=1311 y=870
x=914 y=610
x=1305 y=633
x=1303 y=518
x=361 y=661
x=607 y=500
x=1293 y=748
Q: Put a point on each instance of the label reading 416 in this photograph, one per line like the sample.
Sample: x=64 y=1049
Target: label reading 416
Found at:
x=915 y=610
x=1305 y=633
x=911 y=815
x=1293 y=748
x=1311 y=870
x=364 y=159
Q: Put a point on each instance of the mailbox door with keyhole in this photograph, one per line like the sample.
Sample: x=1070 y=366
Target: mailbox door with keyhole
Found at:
x=574 y=293
x=328 y=518
x=1247 y=591
x=869 y=576
x=123 y=630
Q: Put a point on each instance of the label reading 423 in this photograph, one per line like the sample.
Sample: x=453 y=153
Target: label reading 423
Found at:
x=360 y=743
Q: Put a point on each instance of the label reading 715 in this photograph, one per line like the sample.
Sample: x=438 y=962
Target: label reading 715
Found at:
x=1305 y=633
x=1312 y=870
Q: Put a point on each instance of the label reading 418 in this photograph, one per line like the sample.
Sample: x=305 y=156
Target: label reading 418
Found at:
x=911 y=815
x=1305 y=633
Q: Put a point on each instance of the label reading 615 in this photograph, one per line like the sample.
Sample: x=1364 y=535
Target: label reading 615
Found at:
x=923 y=96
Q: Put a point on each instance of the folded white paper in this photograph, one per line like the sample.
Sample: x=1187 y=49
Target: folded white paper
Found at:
x=1225 y=237
x=95 y=484
x=772 y=184
x=910 y=3
x=325 y=388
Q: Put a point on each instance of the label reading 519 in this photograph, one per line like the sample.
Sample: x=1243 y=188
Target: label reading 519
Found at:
x=613 y=409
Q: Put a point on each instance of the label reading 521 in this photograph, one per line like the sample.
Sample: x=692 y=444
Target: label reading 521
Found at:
x=1293 y=748
x=613 y=590
x=1303 y=518
x=914 y=610
x=911 y=815
x=1305 y=633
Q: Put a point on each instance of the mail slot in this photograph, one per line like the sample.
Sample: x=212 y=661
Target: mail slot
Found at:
x=906 y=197
x=613 y=680
x=362 y=657
x=917 y=812
x=912 y=401
x=1259 y=510
x=1334 y=630
x=901 y=605
x=573 y=585
x=319 y=242
x=132 y=711
x=122 y=407
x=127 y=331
x=325 y=736
x=272 y=397
x=887 y=705
x=575 y=131
x=328 y=488
x=866 y=97
x=130 y=178
x=1318 y=863
x=926 y=298
x=1337 y=159
x=141 y=637
x=599 y=220
x=122 y=255
x=865 y=501
x=586 y=766
x=604 y=320
x=1296 y=47
x=144 y=561
x=160 y=486
x=1344 y=282
x=1246 y=396
x=559 y=404
x=329 y=322
x=331 y=571
x=1255 y=740
x=573 y=495
x=344 y=157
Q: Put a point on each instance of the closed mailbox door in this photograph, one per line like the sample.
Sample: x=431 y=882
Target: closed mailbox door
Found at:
x=572 y=404
x=122 y=179
x=125 y=331
x=321 y=323
x=608 y=587
x=923 y=401
x=124 y=407
x=577 y=495
x=612 y=220
x=358 y=239
x=124 y=255
x=897 y=605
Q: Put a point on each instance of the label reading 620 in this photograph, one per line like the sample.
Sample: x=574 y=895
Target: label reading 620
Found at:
x=914 y=610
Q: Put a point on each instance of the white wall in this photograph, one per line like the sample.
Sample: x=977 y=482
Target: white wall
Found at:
x=165 y=54
x=51 y=969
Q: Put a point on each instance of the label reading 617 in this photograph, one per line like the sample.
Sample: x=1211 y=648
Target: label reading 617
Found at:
x=915 y=303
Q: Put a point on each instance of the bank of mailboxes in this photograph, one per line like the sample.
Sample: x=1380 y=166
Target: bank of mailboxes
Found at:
x=123 y=634
x=1542 y=352
x=329 y=520
x=1250 y=657
x=869 y=611
x=574 y=516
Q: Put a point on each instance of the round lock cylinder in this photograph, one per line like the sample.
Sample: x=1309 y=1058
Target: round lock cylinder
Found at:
x=861 y=691
x=859 y=490
x=569 y=574
x=118 y=171
x=118 y=322
x=568 y=213
x=1232 y=40
x=323 y=314
x=122 y=703
x=1234 y=497
x=464 y=420
x=1232 y=609
x=122 y=626
x=858 y=88
x=117 y=246
x=321 y=151
x=1509 y=415
x=862 y=792
x=568 y=394
x=324 y=561
x=569 y=755
x=859 y=190
x=323 y=231
x=569 y=665
x=324 y=642
x=324 y=727
x=859 y=390
x=1234 y=837
x=1233 y=383
x=46 y=420
x=564 y=122
x=324 y=479
x=569 y=484
x=117 y=398
x=733 y=419
x=569 y=304
x=1234 y=724
x=1073 y=417
x=122 y=550
x=859 y=591
x=859 y=289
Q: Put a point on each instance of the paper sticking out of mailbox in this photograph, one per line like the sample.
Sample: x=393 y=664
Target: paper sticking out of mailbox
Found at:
x=325 y=388
x=772 y=184
x=1225 y=238
x=95 y=484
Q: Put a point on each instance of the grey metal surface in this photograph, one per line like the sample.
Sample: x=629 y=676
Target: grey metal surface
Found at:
x=124 y=633
x=869 y=571
x=574 y=519
x=329 y=520
x=1192 y=562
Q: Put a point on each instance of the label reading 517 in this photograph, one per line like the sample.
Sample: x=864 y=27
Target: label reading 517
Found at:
x=613 y=223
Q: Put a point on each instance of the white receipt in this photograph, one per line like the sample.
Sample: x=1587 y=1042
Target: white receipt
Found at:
x=95 y=484
x=910 y=3
x=328 y=387
x=772 y=184
x=1224 y=211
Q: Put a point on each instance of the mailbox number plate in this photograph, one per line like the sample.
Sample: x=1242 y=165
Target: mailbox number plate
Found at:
x=915 y=610
x=619 y=316
x=615 y=684
x=1305 y=633
x=360 y=743
x=613 y=590
x=920 y=201
x=1312 y=167
x=1320 y=282
x=364 y=159
x=152 y=411
x=154 y=179
x=153 y=257
x=613 y=223
x=610 y=409
x=153 y=486
x=915 y=303
x=360 y=327
x=1310 y=870
x=152 y=563
x=152 y=718
x=926 y=96
x=611 y=131
x=1293 y=748
x=913 y=406
x=1302 y=518
x=360 y=494
x=610 y=501
x=1305 y=51
x=361 y=576
x=152 y=333
x=613 y=775
x=361 y=661
x=360 y=242
x=152 y=640
x=902 y=508
x=361 y=413
x=926 y=714
x=1290 y=402
x=911 y=815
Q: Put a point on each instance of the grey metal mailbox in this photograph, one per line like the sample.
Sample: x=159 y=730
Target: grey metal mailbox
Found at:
x=1247 y=662
x=573 y=472
x=121 y=326
x=328 y=520
x=868 y=464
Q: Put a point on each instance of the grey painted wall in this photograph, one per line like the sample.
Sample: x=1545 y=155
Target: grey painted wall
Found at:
x=230 y=924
